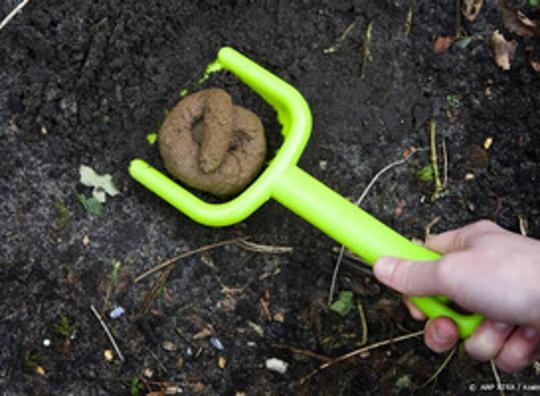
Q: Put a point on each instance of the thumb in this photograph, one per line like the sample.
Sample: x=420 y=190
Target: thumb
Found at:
x=414 y=278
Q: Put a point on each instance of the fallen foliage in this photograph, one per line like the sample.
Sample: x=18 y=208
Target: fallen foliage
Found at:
x=503 y=50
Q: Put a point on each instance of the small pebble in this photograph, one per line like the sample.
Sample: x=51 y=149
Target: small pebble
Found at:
x=117 y=312
x=46 y=343
x=173 y=390
x=168 y=346
x=222 y=362
x=469 y=176
x=40 y=370
x=148 y=372
x=216 y=343
x=189 y=351
x=487 y=143
x=277 y=365
x=108 y=354
x=179 y=362
x=323 y=164
x=279 y=317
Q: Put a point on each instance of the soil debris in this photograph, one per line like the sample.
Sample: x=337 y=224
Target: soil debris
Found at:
x=211 y=144
x=517 y=22
x=442 y=43
x=471 y=9
x=503 y=50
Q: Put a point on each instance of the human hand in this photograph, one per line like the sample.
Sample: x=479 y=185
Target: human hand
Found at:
x=485 y=269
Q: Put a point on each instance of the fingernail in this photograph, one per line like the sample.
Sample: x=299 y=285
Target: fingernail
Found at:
x=502 y=326
x=530 y=333
x=440 y=336
x=385 y=267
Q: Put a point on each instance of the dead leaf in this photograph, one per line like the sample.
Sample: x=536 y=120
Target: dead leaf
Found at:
x=524 y=19
x=535 y=65
x=471 y=9
x=516 y=22
x=442 y=43
x=503 y=50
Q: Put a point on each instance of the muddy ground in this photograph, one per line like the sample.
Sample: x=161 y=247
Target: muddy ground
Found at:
x=84 y=83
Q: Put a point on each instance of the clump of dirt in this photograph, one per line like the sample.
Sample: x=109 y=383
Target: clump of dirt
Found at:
x=211 y=144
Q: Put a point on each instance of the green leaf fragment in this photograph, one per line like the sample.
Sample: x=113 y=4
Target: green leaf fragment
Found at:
x=91 y=205
x=183 y=92
x=534 y=3
x=343 y=304
x=426 y=173
x=102 y=184
x=151 y=138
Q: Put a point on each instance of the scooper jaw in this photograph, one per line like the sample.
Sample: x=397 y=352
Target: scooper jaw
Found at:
x=295 y=117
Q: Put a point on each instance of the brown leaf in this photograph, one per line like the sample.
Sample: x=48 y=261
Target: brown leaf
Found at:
x=503 y=50
x=442 y=43
x=471 y=9
x=516 y=22
x=535 y=65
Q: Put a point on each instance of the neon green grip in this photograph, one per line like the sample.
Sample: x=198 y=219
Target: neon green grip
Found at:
x=361 y=233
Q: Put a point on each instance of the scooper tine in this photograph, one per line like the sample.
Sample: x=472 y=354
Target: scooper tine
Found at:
x=215 y=215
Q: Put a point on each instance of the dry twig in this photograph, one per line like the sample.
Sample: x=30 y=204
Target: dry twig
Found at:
x=439 y=370
x=154 y=292
x=363 y=324
x=429 y=226
x=346 y=32
x=496 y=376
x=304 y=352
x=188 y=254
x=108 y=332
x=439 y=188
x=12 y=14
x=360 y=351
x=260 y=248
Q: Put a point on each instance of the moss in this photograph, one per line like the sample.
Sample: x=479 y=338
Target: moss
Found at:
x=63 y=215
x=63 y=327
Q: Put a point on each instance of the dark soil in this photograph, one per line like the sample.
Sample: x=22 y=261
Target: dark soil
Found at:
x=85 y=82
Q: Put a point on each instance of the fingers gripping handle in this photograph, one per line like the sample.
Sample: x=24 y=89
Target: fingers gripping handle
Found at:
x=359 y=232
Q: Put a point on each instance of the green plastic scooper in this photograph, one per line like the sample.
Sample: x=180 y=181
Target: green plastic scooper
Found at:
x=285 y=182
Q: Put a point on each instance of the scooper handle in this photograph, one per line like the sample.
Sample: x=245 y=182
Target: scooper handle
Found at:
x=361 y=233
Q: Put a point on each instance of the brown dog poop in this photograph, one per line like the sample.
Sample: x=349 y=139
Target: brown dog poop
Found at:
x=212 y=145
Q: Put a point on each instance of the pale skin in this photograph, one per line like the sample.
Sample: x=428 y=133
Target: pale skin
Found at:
x=484 y=269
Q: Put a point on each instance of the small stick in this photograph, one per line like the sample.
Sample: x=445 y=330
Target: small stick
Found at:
x=260 y=248
x=363 y=324
x=496 y=376
x=359 y=351
x=523 y=225
x=445 y=165
x=188 y=254
x=457 y=33
x=427 y=229
x=440 y=369
x=409 y=21
x=109 y=334
x=366 y=53
x=346 y=32
x=434 y=160
x=14 y=12
x=304 y=352
x=358 y=203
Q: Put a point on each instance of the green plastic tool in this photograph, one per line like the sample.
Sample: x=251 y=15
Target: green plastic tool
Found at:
x=285 y=182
